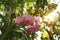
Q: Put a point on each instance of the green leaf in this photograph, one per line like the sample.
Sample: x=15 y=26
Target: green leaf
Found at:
x=29 y=0
x=9 y=30
x=20 y=1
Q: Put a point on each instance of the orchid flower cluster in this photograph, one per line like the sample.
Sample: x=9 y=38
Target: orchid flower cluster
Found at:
x=31 y=23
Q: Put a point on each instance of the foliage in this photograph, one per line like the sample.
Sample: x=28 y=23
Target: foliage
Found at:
x=17 y=10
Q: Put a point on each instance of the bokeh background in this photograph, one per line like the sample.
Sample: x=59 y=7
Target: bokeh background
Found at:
x=48 y=12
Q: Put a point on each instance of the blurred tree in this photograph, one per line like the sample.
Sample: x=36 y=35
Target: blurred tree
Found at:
x=13 y=8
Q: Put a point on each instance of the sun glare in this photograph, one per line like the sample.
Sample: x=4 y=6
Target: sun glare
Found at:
x=51 y=17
